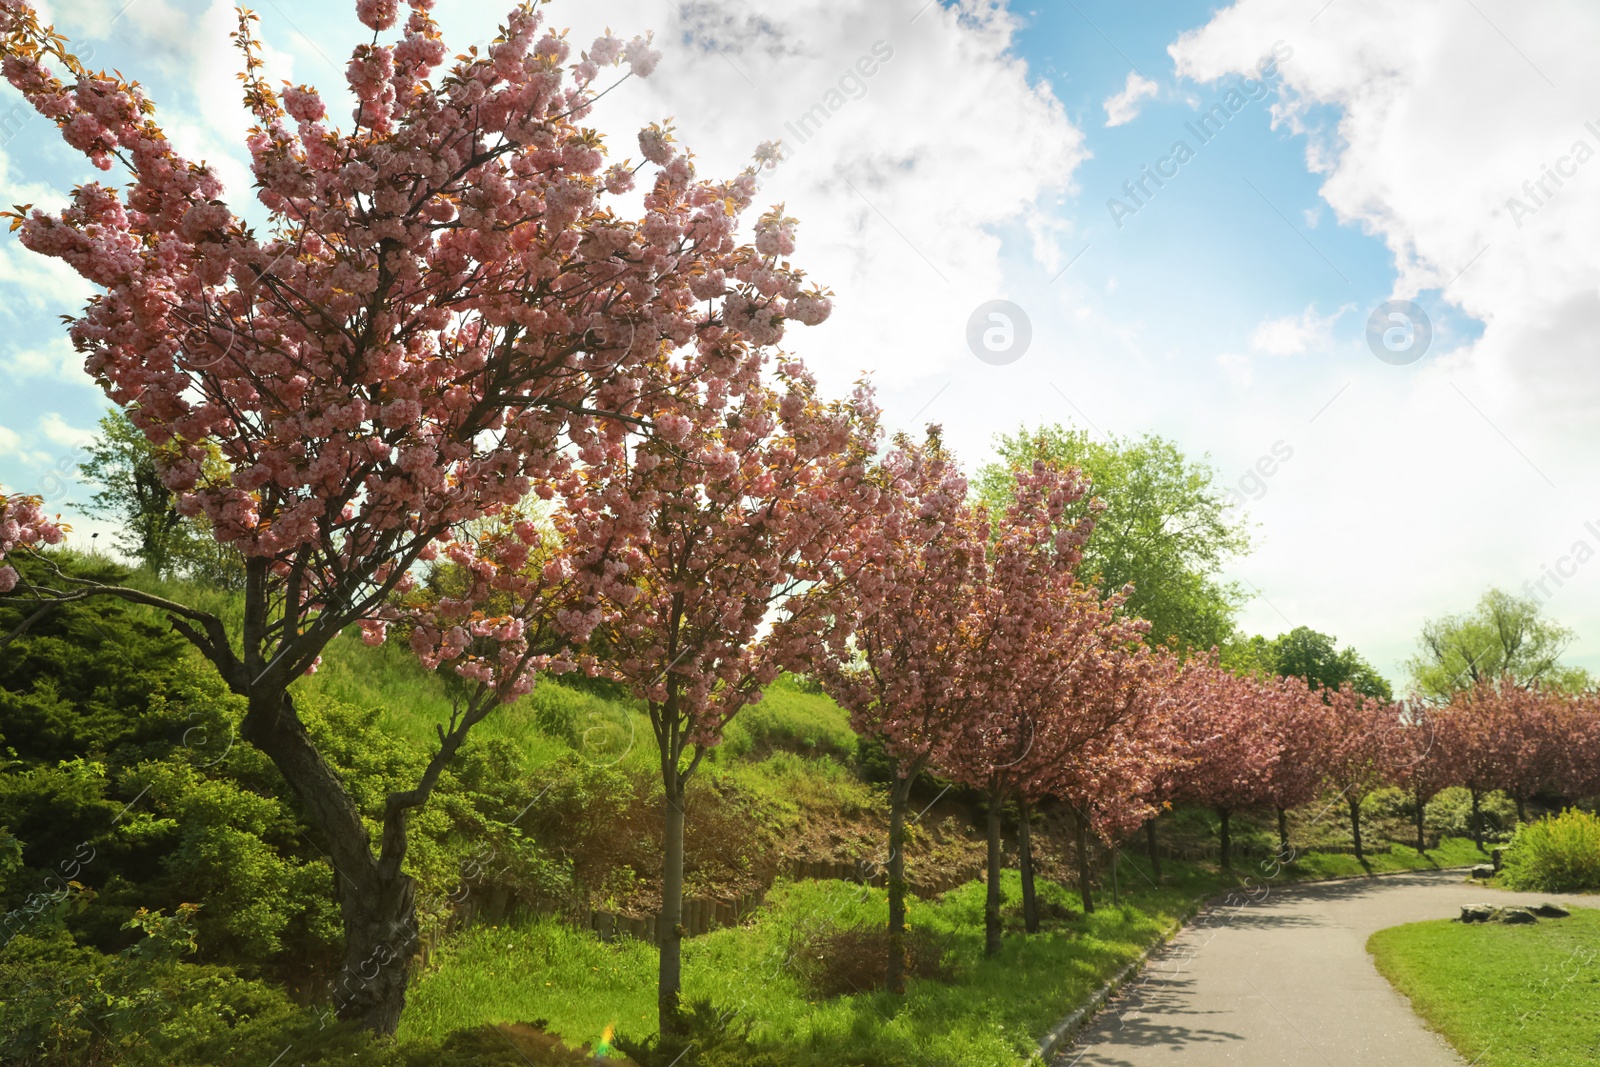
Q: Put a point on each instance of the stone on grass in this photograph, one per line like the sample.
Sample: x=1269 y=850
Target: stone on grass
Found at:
x=1515 y=916
x=1483 y=870
x=1548 y=910
x=1476 y=913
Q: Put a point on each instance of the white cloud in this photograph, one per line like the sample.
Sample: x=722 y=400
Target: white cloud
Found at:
x=55 y=358
x=1293 y=335
x=58 y=431
x=1425 y=135
x=1124 y=107
x=13 y=446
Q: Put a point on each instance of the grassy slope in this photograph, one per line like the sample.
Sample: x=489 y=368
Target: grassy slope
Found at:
x=992 y=1015
x=1504 y=996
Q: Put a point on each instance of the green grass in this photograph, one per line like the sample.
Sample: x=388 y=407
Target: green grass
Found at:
x=1504 y=996
x=1452 y=852
x=993 y=1014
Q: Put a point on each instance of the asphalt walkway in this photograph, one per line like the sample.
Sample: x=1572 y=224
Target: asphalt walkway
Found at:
x=1285 y=981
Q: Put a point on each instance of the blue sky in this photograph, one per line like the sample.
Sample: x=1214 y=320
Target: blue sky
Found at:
x=1229 y=313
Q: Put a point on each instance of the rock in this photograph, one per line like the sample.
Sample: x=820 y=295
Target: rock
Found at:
x=1550 y=911
x=1476 y=913
x=1514 y=916
x=1483 y=870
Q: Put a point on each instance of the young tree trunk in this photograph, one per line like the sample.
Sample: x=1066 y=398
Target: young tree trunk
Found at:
x=1080 y=823
x=1283 y=834
x=1226 y=839
x=1422 y=838
x=991 y=904
x=896 y=966
x=1522 y=811
x=1030 y=900
x=669 y=928
x=1477 y=819
x=1154 y=848
x=1355 y=828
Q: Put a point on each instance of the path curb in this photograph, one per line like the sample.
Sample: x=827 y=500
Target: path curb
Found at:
x=1062 y=1032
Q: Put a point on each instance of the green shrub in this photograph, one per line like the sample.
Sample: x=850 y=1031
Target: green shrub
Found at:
x=1450 y=814
x=835 y=960
x=1558 y=854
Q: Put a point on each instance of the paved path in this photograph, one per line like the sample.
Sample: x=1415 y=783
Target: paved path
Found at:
x=1285 y=982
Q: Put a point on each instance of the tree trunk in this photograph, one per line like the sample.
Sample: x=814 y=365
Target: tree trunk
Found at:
x=1477 y=819
x=1155 y=852
x=669 y=928
x=991 y=904
x=1522 y=811
x=376 y=898
x=1030 y=900
x=380 y=925
x=896 y=966
x=1283 y=835
x=1116 y=891
x=1226 y=839
x=1422 y=838
x=1355 y=828
x=1080 y=822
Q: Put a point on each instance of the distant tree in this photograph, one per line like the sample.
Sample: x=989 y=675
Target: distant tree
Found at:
x=1165 y=528
x=1304 y=653
x=1429 y=760
x=1364 y=749
x=1503 y=636
x=164 y=541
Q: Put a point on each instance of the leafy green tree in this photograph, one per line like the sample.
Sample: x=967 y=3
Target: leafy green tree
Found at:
x=1305 y=653
x=122 y=462
x=1165 y=527
x=1502 y=636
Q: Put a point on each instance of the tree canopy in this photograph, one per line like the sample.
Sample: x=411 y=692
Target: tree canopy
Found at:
x=1165 y=528
x=1503 y=636
x=1313 y=656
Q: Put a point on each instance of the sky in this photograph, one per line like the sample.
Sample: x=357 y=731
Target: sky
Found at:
x=1342 y=249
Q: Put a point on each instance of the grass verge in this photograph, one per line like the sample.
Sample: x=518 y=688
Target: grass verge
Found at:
x=1503 y=996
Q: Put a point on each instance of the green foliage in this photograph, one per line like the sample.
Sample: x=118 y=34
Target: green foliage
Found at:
x=1450 y=813
x=1557 y=854
x=1166 y=527
x=1305 y=653
x=122 y=461
x=1502 y=635
x=1503 y=996
x=67 y=1005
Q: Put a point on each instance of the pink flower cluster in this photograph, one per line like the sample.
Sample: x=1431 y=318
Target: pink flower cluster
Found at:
x=24 y=525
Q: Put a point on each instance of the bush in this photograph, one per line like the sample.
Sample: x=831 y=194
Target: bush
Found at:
x=1450 y=814
x=836 y=961
x=1559 y=854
